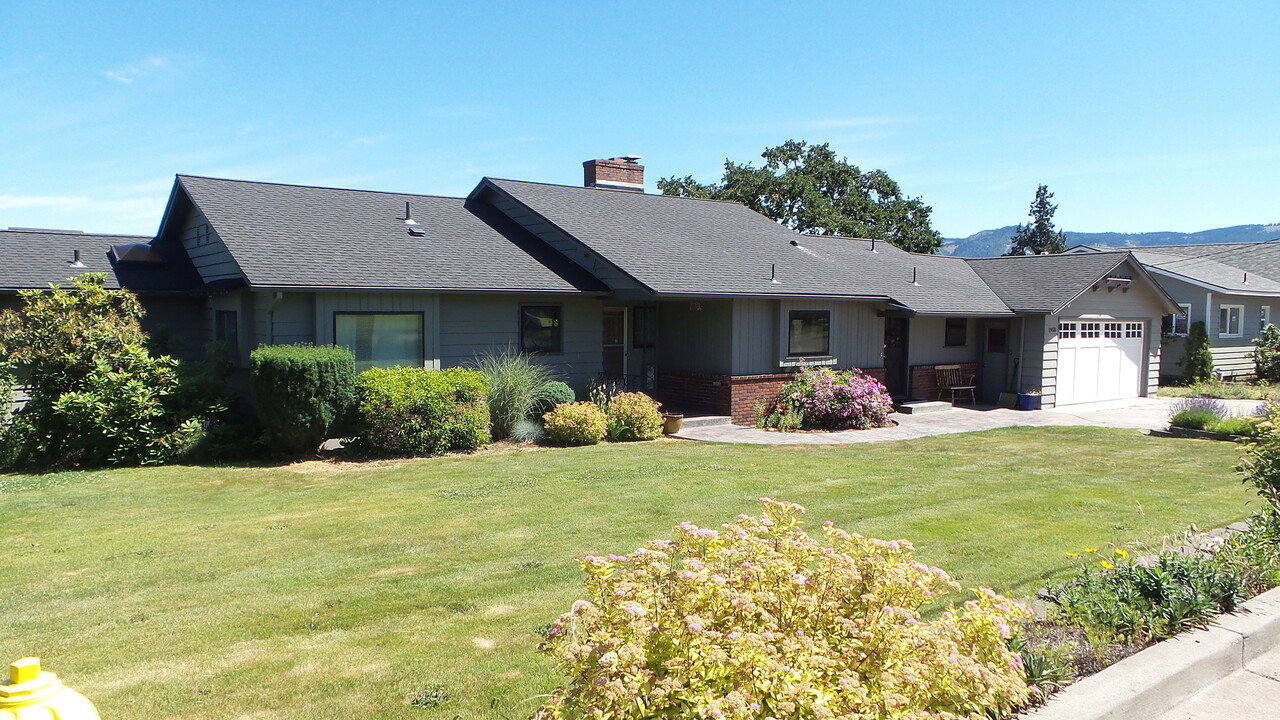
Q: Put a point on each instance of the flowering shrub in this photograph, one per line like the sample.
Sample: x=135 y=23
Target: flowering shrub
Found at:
x=633 y=416
x=760 y=620
x=834 y=400
x=576 y=423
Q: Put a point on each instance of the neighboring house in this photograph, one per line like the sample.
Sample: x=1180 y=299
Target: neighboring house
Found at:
x=165 y=281
x=705 y=304
x=1231 y=287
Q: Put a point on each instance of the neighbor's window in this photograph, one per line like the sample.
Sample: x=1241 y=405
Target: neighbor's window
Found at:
x=1229 y=320
x=957 y=334
x=809 y=333
x=1264 y=317
x=1178 y=324
x=540 y=328
x=226 y=330
x=380 y=339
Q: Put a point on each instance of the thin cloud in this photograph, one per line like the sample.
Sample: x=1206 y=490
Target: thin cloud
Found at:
x=127 y=74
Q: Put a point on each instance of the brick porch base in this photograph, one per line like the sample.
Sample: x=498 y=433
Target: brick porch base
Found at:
x=732 y=395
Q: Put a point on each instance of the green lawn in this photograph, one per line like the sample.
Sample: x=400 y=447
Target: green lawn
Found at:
x=322 y=591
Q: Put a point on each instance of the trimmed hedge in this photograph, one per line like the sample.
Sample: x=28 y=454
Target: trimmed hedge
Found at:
x=302 y=392
x=412 y=411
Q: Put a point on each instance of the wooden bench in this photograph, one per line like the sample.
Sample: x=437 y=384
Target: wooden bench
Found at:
x=951 y=379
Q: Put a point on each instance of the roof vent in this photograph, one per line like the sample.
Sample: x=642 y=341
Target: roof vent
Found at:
x=75 y=260
x=915 y=277
x=408 y=217
x=773 y=273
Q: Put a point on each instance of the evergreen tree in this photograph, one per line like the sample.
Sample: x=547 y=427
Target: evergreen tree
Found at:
x=1039 y=236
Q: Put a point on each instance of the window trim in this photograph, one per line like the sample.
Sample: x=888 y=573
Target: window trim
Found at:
x=947 y=329
x=422 y=327
x=1224 y=332
x=791 y=316
x=1264 y=317
x=559 y=327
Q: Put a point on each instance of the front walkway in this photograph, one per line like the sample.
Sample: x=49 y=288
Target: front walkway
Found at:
x=1136 y=414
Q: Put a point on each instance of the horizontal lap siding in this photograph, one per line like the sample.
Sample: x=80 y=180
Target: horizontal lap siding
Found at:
x=207 y=251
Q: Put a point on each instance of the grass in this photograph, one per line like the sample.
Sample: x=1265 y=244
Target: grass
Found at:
x=418 y=589
x=1225 y=390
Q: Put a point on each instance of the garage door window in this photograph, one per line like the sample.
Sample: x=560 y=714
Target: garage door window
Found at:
x=1090 y=330
x=1068 y=330
x=1229 y=320
x=1113 y=330
x=1133 y=330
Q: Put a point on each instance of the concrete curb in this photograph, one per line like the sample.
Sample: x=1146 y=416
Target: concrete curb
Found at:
x=1151 y=682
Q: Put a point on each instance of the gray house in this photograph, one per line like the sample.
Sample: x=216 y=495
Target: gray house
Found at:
x=707 y=305
x=1231 y=287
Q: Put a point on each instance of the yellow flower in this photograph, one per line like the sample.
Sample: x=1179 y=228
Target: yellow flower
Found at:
x=1070 y=554
x=1107 y=565
x=1122 y=553
x=1091 y=550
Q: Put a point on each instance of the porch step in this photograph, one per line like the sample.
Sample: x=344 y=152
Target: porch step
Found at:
x=705 y=421
x=915 y=408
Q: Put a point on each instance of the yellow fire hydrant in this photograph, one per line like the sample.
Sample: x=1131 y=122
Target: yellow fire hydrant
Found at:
x=34 y=695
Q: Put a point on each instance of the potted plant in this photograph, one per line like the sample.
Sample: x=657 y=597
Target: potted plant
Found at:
x=1029 y=400
x=671 y=423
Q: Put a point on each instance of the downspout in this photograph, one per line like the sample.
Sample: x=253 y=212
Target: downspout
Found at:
x=1022 y=350
x=271 y=315
x=1208 y=313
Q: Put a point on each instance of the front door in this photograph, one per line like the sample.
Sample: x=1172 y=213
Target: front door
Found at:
x=995 y=361
x=896 y=331
x=615 y=343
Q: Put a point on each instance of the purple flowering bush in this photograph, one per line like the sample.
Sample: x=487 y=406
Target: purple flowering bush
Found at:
x=836 y=400
x=759 y=619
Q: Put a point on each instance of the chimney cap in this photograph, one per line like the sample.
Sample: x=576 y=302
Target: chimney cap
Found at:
x=632 y=159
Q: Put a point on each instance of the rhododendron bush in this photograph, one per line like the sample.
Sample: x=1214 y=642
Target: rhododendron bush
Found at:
x=761 y=620
x=836 y=400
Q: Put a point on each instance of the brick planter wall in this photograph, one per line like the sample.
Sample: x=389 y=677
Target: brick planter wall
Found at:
x=732 y=395
x=695 y=391
x=924 y=379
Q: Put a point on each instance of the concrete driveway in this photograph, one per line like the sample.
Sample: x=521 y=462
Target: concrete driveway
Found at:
x=1136 y=414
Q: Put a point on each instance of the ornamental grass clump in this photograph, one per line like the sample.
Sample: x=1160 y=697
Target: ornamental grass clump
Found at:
x=836 y=400
x=633 y=416
x=759 y=619
x=576 y=423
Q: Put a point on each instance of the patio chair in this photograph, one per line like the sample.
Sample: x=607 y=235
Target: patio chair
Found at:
x=951 y=379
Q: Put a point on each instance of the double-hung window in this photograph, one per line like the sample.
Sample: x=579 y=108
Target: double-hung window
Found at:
x=1178 y=324
x=1264 y=318
x=809 y=333
x=381 y=339
x=1229 y=320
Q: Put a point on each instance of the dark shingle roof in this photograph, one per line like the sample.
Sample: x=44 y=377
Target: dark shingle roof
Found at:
x=1044 y=283
x=1222 y=265
x=297 y=236
x=35 y=258
x=685 y=246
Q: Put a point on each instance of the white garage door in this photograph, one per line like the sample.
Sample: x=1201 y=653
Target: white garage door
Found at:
x=1099 y=360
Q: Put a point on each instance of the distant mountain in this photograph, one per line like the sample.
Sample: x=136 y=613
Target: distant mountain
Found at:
x=989 y=243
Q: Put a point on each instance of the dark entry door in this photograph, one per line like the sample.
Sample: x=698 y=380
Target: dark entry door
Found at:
x=895 y=355
x=995 y=361
x=615 y=343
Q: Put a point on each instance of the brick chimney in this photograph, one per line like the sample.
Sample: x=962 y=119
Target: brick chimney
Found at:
x=620 y=173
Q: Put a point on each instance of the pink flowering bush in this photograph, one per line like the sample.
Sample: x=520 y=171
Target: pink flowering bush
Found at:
x=836 y=400
x=760 y=620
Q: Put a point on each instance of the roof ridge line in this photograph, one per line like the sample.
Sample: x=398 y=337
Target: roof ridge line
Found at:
x=620 y=190
x=320 y=187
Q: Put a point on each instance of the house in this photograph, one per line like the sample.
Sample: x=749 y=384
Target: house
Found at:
x=705 y=304
x=1231 y=287
x=166 y=283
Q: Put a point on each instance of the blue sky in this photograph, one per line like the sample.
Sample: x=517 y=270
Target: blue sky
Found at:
x=1140 y=116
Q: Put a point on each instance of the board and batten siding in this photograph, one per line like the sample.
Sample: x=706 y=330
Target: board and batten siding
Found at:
x=926 y=345
x=328 y=303
x=760 y=334
x=471 y=325
x=696 y=336
x=207 y=251
x=284 y=318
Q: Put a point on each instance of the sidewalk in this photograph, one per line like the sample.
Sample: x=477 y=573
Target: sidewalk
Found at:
x=1135 y=414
